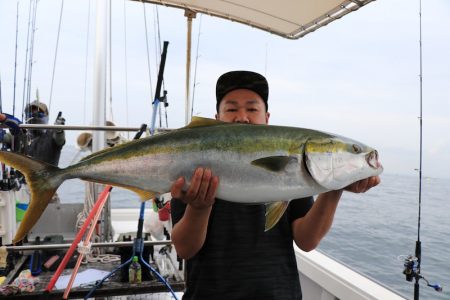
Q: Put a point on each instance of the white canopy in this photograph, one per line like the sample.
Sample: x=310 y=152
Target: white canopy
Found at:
x=288 y=18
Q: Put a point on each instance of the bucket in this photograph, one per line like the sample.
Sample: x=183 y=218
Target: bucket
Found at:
x=20 y=211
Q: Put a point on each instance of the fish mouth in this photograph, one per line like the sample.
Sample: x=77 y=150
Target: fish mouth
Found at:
x=372 y=160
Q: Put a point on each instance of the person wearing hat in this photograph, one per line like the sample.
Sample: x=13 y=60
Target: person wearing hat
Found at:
x=41 y=144
x=228 y=255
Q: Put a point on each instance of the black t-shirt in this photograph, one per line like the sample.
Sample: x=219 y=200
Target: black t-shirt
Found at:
x=238 y=259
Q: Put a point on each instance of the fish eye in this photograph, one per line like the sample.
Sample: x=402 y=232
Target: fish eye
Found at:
x=356 y=148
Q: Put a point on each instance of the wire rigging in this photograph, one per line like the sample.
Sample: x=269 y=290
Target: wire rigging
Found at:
x=15 y=62
x=86 y=62
x=148 y=51
x=56 y=55
x=195 y=67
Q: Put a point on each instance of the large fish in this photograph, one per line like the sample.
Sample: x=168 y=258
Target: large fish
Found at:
x=255 y=164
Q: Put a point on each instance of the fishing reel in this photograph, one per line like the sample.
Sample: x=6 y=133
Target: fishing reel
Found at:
x=412 y=271
x=410 y=267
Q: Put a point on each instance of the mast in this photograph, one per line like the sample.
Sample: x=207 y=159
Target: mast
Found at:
x=99 y=97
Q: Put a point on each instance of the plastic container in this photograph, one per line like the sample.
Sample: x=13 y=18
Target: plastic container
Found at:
x=135 y=271
x=7 y=217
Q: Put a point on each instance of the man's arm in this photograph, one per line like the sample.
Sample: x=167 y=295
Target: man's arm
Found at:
x=189 y=234
x=58 y=135
x=309 y=230
x=12 y=122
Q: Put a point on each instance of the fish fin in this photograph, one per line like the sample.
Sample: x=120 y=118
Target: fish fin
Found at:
x=143 y=194
x=201 y=122
x=274 y=163
x=274 y=212
x=102 y=151
x=95 y=154
x=38 y=175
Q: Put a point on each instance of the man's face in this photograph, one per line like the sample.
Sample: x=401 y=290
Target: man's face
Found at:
x=36 y=116
x=243 y=106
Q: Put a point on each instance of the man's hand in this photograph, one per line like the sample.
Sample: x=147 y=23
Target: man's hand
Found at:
x=60 y=121
x=189 y=234
x=363 y=185
x=202 y=191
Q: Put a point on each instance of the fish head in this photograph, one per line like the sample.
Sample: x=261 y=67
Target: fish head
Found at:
x=335 y=162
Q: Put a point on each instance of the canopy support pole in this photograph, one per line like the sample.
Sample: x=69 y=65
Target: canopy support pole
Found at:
x=190 y=15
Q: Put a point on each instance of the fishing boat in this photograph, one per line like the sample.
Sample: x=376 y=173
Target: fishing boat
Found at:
x=321 y=276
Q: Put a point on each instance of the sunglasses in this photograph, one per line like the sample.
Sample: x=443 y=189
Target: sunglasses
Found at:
x=38 y=114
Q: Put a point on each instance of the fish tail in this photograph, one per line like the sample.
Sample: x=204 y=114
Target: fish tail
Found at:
x=43 y=180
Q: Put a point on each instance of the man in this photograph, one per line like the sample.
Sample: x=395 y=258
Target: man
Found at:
x=229 y=256
x=41 y=144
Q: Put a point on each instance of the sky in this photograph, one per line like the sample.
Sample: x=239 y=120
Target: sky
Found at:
x=357 y=77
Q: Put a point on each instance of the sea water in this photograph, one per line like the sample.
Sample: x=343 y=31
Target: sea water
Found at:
x=371 y=232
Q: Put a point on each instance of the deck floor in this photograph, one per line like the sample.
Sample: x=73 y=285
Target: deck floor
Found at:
x=112 y=287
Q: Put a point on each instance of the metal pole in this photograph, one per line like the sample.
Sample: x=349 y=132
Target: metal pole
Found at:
x=76 y=127
x=190 y=15
x=99 y=100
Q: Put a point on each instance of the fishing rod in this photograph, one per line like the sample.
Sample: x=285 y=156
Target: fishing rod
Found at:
x=30 y=61
x=27 y=47
x=412 y=264
x=158 y=97
x=138 y=242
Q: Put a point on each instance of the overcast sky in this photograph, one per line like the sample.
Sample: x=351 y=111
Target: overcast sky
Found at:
x=358 y=76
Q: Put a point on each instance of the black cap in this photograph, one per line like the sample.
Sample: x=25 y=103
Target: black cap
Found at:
x=242 y=80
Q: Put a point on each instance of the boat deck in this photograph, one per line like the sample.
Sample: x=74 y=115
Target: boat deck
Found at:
x=112 y=287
